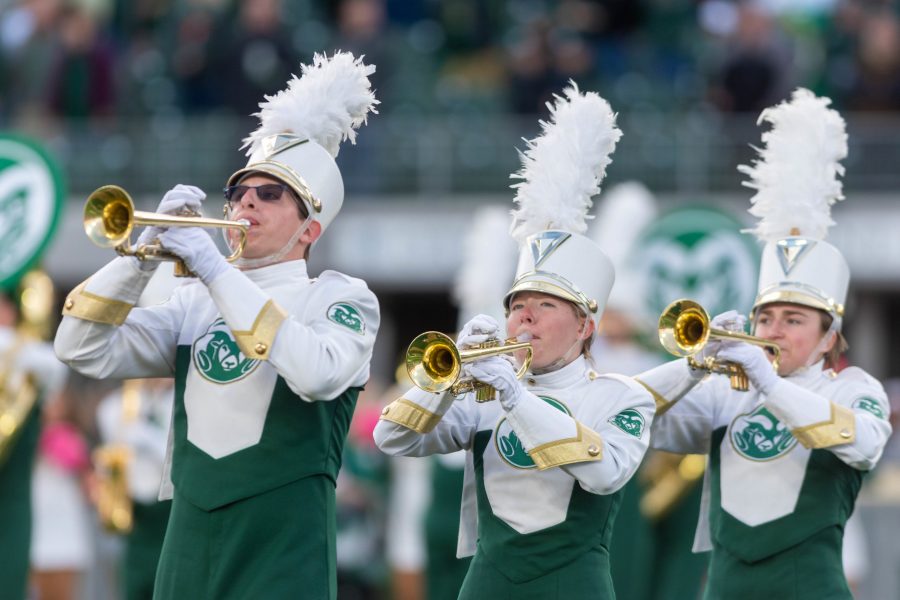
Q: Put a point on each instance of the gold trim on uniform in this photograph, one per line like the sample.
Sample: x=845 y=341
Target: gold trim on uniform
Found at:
x=840 y=429
x=410 y=415
x=662 y=405
x=587 y=445
x=91 y=307
x=257 y=342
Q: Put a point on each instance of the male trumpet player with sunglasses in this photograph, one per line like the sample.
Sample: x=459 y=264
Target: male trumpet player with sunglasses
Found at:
x=267 y=361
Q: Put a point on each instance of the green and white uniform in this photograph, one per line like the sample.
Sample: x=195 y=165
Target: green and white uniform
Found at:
x=784 y=472
x=49 y=374
x=545 y=476
x=267 y=366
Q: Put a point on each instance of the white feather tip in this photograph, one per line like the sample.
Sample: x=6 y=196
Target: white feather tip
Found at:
x=563 y=167
x=327 y=103
x=796 y=176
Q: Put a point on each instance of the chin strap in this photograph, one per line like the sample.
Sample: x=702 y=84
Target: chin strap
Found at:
x=271 y=259
x=565 y=359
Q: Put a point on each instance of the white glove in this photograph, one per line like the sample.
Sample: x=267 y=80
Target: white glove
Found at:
x=757 y=366
x=478 y=330
x=730 y=320
x=500 y=374
x=175 y=201
x=197 y=250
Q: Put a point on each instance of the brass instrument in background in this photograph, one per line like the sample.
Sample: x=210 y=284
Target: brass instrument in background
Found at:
x=684 y=330
x=668 y=479
x=434 y=363
x=115 y=507
x=19 y=391
x=109 y=218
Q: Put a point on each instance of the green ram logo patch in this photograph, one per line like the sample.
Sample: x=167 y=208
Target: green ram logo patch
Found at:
x=347 y=315
x=629 y=421
x=870 y=405
x=508 y=444
x=760 y=436
x=218 y=357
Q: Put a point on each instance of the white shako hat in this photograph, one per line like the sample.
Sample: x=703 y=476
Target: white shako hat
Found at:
x=301 y=129
x=796 y=182
x=561 y=171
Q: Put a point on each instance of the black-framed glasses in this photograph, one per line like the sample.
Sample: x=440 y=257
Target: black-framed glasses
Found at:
x=267 y=192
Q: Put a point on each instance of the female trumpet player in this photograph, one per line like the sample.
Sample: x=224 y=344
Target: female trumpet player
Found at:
x=267 y=361
x=547 y=460
x=787 y=457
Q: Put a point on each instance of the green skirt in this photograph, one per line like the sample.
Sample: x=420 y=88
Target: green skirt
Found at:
x=586 y=578
x=279 y=544
x=811 y=570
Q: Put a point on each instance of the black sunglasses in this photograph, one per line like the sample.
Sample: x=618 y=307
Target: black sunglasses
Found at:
x=267 y=192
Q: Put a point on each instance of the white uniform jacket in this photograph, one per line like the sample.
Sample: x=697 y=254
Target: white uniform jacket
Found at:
x=767 y=440
x=233 y=341
x=572 y=427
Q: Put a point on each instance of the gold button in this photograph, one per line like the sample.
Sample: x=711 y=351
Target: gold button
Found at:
x=531 y=381
x=386 y=410
x=592 y=375
x=593 y=450
x=261 y=348
x=845 y=433
x=70 y=304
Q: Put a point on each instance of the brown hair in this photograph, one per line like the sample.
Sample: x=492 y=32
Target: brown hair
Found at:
x=833 y=356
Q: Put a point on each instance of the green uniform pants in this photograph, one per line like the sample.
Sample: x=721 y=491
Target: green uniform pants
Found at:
x=279 y=544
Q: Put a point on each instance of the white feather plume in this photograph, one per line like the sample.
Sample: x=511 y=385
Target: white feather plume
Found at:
x=488 y=265
x=796 y=175
x=330 y=99
x=562 y=168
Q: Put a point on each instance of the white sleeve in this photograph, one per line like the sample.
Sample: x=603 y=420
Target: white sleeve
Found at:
x=817 y=420
x=317 y=356
x=39 y=358
x=622 y=446
x=143 y=345
x=686 y=423
x=448 y=425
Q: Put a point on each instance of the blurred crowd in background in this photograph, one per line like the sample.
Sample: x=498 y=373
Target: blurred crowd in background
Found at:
x=102 y=59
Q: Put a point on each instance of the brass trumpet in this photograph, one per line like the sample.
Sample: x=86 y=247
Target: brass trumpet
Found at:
x=684 y=330
x=109 y=218
x=434 y=363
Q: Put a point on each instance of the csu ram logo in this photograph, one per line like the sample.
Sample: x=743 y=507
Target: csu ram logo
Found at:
x=31 y=201
x=508 y=444
x=217 y=356
x=760 y=436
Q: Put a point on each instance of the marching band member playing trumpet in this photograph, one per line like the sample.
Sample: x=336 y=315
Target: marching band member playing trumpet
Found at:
x=547 y=460
x=267 y=361
x=787 y=457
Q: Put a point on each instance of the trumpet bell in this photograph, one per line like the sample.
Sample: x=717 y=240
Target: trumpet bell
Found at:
x=683 y=328
x=433 y=361
x=108 y=216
